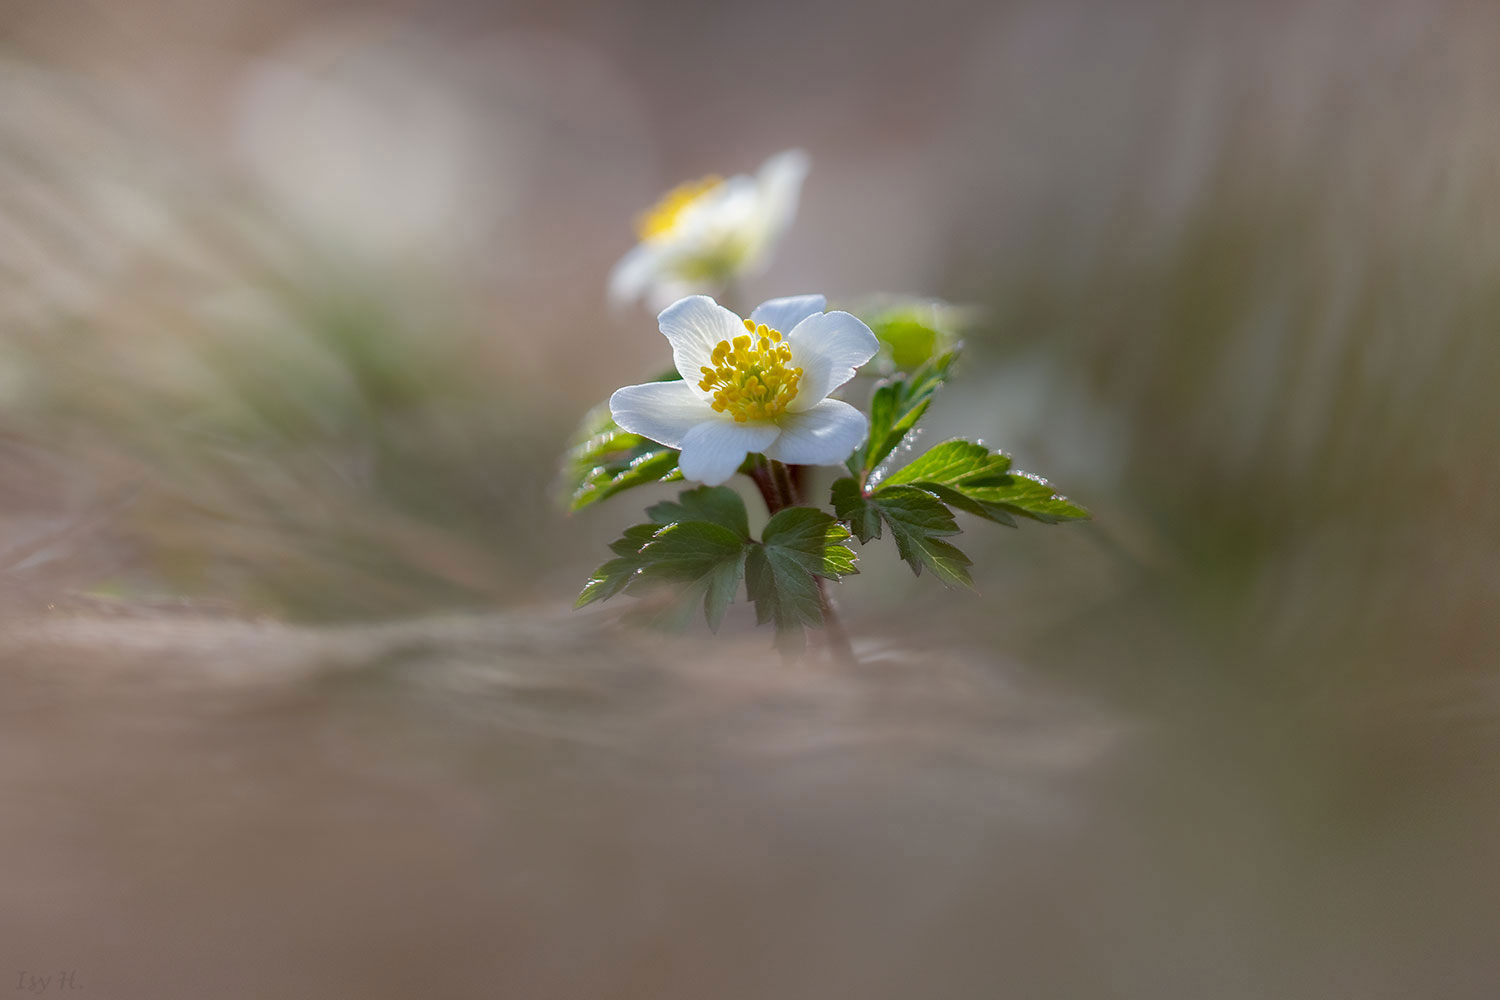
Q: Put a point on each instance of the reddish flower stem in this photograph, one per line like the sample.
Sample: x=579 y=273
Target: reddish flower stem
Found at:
x=778 y=487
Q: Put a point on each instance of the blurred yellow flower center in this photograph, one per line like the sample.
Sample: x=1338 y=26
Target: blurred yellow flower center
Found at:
x=751 y=378
x=661 y=218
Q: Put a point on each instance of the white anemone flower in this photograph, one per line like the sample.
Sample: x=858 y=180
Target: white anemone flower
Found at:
x=752 y=385
x=704 y=234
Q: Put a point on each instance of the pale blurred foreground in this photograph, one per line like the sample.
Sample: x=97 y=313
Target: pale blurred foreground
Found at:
x=489 y=808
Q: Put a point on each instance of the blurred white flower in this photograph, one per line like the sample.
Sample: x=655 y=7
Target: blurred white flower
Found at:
x=706 y=233
x=748 y=387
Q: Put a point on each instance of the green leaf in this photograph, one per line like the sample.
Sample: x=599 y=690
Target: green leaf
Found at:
x=850 y=504
x=914 y=503
x=606 y=459
x=1027 y=495
x=895 y=408
x=701 y=561
x=798 y=545
x=955 y=498
x=607 y=581
x=715 y=504
x=621 y=460
x=687 y=550
x=615 y=575
x=782 y=591
x=917 y=520
x=950 y=463
x=634 y=537
x=942 y=470
x=972 y=478
x=709 y=559
x=814 y=539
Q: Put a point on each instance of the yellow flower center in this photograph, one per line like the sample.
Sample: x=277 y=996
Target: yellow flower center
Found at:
x=751 y=378
x=661 y=218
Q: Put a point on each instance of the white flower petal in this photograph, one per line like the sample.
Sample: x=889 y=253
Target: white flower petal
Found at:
x=780 y=179
x=634 y=274
x=713 y=450
x=694 y=326
x=726 y=207
x=824 y=435
x=661 y=411
x=828 y=348
x=785 y=314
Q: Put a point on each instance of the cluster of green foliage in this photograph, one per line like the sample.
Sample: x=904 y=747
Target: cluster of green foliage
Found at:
x=697 y=550
x=609 y=460
x=917 y=503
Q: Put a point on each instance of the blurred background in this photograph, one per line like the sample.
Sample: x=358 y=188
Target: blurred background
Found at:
x=300 y=303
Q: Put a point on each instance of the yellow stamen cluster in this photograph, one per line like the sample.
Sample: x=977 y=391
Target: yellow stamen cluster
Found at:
x=752 y=378
x=661 y=218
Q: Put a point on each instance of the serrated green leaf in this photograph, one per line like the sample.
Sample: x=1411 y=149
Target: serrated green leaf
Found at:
x=946 y=560
x=918 y=521
x=783 y=591
x=633 y=537
x=972 y=478
x=715 y=504
x=638 y=462
x=895 y=408
x=813 y=538
x=607 y=581
x=606 y=459
x=701 y=561
x=1027 y=495
x=839 y=561
x=686 y=550
x=950 y=463
x=955 y=498
x=798 y=545
x=850 y=504
x=593 y=439
x=888 y=425
x=615 y=575
x=706 y=558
